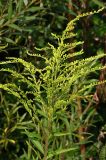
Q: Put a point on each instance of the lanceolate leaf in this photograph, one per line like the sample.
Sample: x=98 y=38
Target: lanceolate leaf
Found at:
x=10 y=9
x=38 y=145
x=61 y=134
x=20 y=5
x=16 y=27
x=60 y=151
x=35 y=9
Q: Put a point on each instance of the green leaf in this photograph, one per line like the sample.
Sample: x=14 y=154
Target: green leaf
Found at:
x=9 y=40
x=60 y=151
x=98 y=3
x=71 y=12
x=34 y=9
x=61 y=134
x=20 y=5
x=32 y=135
x=38 y=145
x=14 y=26
x=30 y=18
x=3 y=47
x=10 y=9
x=41 y=113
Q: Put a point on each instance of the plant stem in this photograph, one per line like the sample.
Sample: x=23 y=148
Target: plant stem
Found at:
x=46 y=137
x=46 y=147
x=81 y=130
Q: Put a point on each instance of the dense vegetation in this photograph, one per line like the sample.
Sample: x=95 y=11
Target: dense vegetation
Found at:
x=52 y=80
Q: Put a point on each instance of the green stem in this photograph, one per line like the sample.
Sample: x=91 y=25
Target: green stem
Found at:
x=46 y=147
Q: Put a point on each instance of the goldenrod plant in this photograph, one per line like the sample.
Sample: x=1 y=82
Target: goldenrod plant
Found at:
x=52 y=96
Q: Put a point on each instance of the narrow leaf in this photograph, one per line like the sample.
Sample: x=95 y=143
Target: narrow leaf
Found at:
x=10 y=9
x=14 y=26
x=61 y=134
x=30 y=18
x=9 y=40
x=60 y=151
x=34 y=9
x=99 y=3
x=20 y=5
x=38 y=146
x=32 y=135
